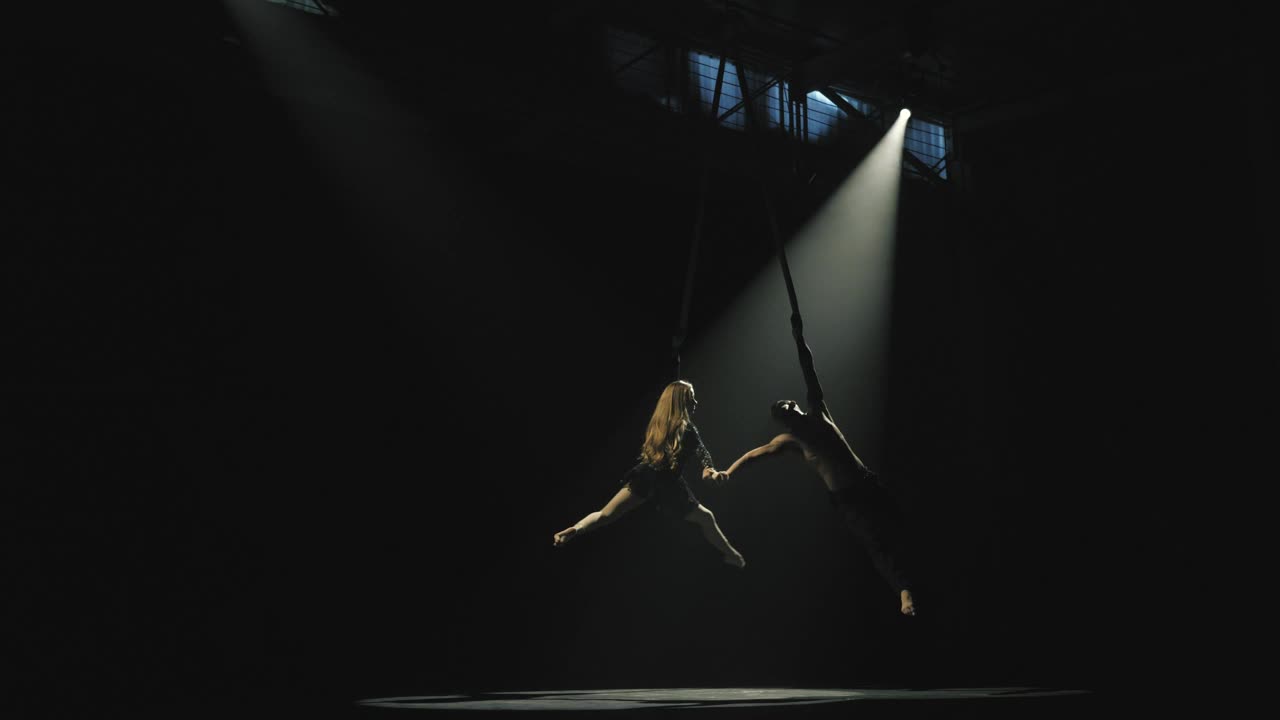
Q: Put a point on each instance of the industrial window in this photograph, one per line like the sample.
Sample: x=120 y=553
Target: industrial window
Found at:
x=703 y=70
x=824 y=115
x=927 y=141
x=644 y=66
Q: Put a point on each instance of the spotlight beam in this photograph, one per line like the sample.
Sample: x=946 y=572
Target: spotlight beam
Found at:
x=842 y=261
x=926 y=171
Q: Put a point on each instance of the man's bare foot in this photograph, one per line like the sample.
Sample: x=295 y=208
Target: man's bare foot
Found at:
x=908 y=603
x=736 y=560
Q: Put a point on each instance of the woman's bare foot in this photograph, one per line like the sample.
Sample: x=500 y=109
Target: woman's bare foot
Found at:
x=736 y=560
x=908 y=603
x=565 y=535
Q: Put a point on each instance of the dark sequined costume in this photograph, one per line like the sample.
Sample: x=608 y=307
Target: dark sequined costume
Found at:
x=668 y=487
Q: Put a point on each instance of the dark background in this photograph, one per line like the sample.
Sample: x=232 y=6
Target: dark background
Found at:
x=283 y=424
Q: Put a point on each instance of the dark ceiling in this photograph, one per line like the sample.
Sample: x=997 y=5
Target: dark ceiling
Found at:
x=958 y=57
x=971 y=64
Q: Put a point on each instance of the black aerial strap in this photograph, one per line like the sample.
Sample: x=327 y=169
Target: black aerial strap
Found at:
x=796 y=321
x=677 y=340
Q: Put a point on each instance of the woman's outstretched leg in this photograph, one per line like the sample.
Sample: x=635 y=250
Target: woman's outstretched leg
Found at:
x=706 y=521
x=622 y=503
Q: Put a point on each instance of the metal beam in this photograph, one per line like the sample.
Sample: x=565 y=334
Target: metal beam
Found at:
x=715 y=97
x=746 y=96
x=760 y=91
x=636 y=59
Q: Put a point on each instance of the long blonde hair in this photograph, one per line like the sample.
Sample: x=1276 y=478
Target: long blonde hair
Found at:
x=662 y=440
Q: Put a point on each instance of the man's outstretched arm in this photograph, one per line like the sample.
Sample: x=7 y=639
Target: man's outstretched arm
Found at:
x=779 y=444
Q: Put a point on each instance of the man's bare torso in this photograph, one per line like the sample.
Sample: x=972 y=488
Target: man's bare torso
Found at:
x=827 y=452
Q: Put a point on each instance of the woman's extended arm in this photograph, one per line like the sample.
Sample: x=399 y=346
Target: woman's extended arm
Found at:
x=709 y=471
